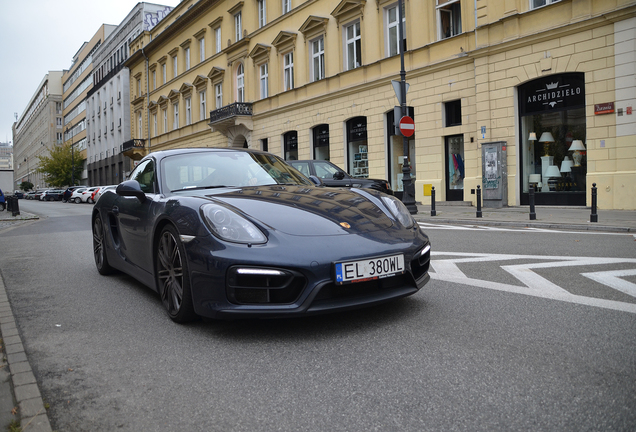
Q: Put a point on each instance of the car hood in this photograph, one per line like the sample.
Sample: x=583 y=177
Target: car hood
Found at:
x=308 y=211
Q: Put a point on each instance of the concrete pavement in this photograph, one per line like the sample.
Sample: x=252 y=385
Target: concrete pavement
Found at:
x=20 y=398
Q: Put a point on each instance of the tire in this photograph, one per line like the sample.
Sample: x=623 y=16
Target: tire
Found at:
x=90 y=201
x=78 y=200
x=172 y=277
x=99 y=247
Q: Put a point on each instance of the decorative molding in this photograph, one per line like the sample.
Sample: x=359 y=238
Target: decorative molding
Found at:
x=236 y=8
x=313 y=26
x=348 y=10
x=173 y=52
x=186 y=89
x=285 y=41
x=200 y=33
x=217 y=22
x=200 y=81
x=260 y=53
x=216 y=74
x=174 y=95
x=186 y=43
x=162 y=101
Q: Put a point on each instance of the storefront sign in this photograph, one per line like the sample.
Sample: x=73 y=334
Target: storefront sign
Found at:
x=552 y=93
x=604 y=108
x=321 y=135
x=358 y=129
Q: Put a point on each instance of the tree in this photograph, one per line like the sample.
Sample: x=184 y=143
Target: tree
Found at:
x=26 y=185
x=58 y=165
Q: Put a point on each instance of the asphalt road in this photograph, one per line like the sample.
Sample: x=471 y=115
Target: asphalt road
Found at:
x=480 y=352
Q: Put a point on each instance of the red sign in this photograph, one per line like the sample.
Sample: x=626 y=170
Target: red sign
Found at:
x=604 y=108
x=407 y=126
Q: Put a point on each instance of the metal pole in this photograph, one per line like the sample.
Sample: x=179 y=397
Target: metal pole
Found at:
x=408 y=194
x=533 y=215
x=594 y=216
x=478 y=201
x=433 y=212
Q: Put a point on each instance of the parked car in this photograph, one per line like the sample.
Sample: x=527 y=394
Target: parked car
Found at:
x=18 y=194
x=68 y=192
x=52 y=195
x=333 y=176
x=76 y=196
x=87 y=195
x=103 y=189
x=30 y=195
x=246 y=235
x=38 y=195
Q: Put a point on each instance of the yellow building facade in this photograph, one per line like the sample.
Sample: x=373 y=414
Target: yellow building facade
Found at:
x=502 y=92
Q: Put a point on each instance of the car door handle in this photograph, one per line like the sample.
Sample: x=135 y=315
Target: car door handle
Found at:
x=116 y=210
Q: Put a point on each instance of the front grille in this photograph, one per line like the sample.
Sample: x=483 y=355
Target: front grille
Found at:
x=360 y=290
x=252 y=285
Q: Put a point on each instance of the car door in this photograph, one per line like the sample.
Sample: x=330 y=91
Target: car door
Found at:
x=134 y=218
x=331 y=175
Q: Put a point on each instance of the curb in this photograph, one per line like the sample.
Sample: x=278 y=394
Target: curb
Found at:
x=31 y=412
x=542 y=225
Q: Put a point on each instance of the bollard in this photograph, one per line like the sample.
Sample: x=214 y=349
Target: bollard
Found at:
x=533 y=215
x=478 y=201
x=433 y=212
x=593 y=215
x=15 y=207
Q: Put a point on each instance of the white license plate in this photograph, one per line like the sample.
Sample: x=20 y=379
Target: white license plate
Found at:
x=358 y=271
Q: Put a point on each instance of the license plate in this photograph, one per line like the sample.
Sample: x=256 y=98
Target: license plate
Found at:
x=368 y=269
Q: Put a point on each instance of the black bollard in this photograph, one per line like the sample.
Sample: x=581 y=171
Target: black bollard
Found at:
x=533 y=215
x=433 y=212
x=478 y=201
x=593 y=216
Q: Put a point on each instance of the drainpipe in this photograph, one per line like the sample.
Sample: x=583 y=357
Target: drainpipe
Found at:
x=148 y=98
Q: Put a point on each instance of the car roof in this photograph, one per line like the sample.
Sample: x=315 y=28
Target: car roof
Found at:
x=158 y=155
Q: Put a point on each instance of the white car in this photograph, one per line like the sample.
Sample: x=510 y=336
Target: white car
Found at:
x=76 y=197
x=87 y=194
x=104 y=189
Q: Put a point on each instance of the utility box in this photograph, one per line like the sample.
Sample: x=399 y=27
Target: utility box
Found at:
x=494 y=174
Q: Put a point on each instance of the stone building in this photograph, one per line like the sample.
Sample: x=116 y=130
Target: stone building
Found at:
x=505 y=95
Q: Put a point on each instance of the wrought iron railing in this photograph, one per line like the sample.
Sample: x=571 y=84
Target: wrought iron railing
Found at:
x=232 y=110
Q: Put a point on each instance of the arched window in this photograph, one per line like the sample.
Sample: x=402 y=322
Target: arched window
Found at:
x=240 y=83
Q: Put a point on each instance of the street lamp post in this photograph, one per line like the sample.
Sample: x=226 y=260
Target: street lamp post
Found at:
x=408 y=194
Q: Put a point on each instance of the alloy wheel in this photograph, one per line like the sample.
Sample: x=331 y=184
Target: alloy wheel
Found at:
x=170 y=273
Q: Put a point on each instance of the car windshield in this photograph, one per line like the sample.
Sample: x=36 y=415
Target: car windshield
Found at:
x=214 y=169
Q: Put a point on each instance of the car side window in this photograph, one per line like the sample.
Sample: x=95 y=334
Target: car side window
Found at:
x=145 y=176
x=303 y=167
x=324 y=170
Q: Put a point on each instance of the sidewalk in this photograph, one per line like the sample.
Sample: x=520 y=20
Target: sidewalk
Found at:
x=562 y=218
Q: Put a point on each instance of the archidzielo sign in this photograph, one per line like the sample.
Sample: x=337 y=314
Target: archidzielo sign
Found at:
x=552 y=93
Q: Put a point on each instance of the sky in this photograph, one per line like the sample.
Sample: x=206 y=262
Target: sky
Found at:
x=38 y=36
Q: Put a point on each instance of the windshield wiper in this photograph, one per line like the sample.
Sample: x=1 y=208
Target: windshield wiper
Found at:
x=189 y=188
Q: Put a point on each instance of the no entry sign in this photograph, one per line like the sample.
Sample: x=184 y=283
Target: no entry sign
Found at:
x=407 y=126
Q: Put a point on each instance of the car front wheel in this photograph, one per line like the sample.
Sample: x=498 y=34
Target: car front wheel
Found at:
x=172 y=276
x=78 y=200
x=99 y=247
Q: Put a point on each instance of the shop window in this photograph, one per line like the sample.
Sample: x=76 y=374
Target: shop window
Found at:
x=449 y=18
x=321 y=142
x=290 y=142
x=358 y=147
x=453 y=113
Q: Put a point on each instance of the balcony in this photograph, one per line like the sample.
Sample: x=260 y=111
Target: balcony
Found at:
x=134 y=149
x=238 y=113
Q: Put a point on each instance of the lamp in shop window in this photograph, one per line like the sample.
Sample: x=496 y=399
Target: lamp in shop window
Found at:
x=546 y=139
x=566 y=168
x=532 y=137
x=553 y=174
x=577 y=147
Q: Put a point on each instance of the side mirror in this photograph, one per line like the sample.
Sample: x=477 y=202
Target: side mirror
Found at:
x=131 y=188
x=339 y=175
x=316 y=180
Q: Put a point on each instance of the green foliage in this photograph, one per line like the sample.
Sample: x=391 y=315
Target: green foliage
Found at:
x=57 y=167
x=26 y=186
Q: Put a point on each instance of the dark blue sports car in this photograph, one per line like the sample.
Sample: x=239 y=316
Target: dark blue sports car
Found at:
x=228 y=233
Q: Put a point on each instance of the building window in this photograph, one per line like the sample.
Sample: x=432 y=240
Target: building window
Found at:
x=59 y=121
x=188 y=111
x=353 y=43
x=290 y=140
x=154 y=80
x=318 y=59
x=139 y=88
x=201 y=49
x=203 y=106
x=175 y=69
x=240 y=83
x=175 y=118
x=217 y=39
x=538 y=3
x=264 y=80
x=139 y=126
x=393 y=32
x=262 y=13
x=164 y=73
x=187 y=58
x=154 y=124
x=238 y=27
x=449 y=18
x=453 y=113
x=165 y=120
x=357 y=147
x=321 y=142
x=286 y=6
x=288 y=69
x=218 y=96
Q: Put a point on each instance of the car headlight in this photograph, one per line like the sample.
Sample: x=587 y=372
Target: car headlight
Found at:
x=399 y=210
x=231 y=226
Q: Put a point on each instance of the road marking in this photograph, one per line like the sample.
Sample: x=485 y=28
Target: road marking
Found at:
x=440 y=226
x=535 y=284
